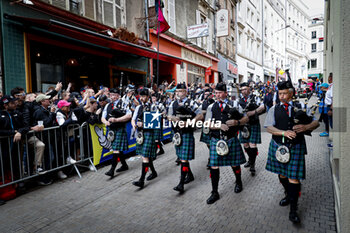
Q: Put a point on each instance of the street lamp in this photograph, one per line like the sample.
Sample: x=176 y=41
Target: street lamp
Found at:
x=287 y=26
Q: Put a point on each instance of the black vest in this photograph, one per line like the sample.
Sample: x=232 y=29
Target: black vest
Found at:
x=284 y=122
x=253 y=120
x=217 y=115
x=175 y=107
x=110 y=107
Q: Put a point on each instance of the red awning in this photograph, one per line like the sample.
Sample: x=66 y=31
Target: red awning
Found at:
x=93 y=38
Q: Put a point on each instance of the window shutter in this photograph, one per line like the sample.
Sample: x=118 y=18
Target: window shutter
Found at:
x=210 y=37
x=198 y=21
x=171 y=16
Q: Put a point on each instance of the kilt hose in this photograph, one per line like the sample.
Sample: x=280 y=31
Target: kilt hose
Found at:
x=120 y=142
x=255 y=135
x=148 y=149
x=185 y=151
x=295 y=168
x=235 y=156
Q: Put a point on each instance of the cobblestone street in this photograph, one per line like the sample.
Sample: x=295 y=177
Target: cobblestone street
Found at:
x=96 y=203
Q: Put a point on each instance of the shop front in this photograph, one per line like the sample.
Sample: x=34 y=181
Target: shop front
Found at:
x=196 y=66
x=39 y=50
x=229 y=69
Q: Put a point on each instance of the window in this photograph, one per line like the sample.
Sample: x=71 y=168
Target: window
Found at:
x=313 y=35
x=171 y=16
x=113 y=14
x=313 y=47
x=313 y=63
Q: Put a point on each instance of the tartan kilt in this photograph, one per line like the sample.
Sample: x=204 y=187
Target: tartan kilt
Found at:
x=255 y=135
x=120 y=142
x=235 y=156
x=185 y=151
x=158 y=134
x=295 y=168
x=205 y=138
x=148 y=149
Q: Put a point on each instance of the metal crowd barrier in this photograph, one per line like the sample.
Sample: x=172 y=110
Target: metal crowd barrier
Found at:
x=47 y=150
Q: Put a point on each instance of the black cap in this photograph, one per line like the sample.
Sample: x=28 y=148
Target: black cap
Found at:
x=181 y=86
x=154 y=95
x=221 y=87
x=7 y=99
x=103 y=98
x=206 y=85
x=245 y=84
x=144 y=91
x=114 y=90
x=284 y=85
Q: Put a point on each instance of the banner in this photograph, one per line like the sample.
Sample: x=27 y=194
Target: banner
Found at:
x=102 y=147
x=195 y=31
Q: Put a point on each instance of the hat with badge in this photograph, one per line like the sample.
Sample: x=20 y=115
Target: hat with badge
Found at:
x=7 y=99
x=284 y=85
x=114 y=90
x=144 y=91
x=181 y=86
x=245 y=84
x=103 y=98
x=221 y=87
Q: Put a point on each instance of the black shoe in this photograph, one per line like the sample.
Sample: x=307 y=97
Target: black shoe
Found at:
x=252 y=170
x=110 y=173
x=2 y=202
x=247 y=164
x=178 y=162
x=179 y=188
x=213 y=198
x=152 y=176
x=238 y=187
x=122 y=168
x=293 y=217
x=285 y=201
x=139 y=183
x=188 y=179
x=161 y=151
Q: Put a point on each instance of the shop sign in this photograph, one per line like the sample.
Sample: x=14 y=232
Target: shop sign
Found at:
x=199 y=30
x=195 y=58
x=232 y=68
x=222 y=23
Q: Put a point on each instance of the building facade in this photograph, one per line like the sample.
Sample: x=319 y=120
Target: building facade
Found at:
x=249 y=38
x=336 y=61
x=315 y=65
x=297 y=39
x=274 y=31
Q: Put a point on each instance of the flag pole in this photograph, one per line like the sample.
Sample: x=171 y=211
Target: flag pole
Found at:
x=158 y=32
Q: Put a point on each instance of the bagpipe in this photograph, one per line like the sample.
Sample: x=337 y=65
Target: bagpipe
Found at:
x=139 y=134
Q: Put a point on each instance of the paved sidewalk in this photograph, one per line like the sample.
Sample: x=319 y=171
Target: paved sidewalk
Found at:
x=98 y=204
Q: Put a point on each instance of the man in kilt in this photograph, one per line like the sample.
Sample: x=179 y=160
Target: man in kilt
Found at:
x=118 y=126
x=219 y=111
x=253 y=106
x=148 y=148
x=184 y=151
x=205 y=137
x=280 y=123
x=156 y=105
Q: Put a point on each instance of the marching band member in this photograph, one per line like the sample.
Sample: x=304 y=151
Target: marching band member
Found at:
x=225 y=137
x=179 y=110
x=146 y=146
x=158 y=106
x=287 y=150
x=115 y=115
x=253 y=106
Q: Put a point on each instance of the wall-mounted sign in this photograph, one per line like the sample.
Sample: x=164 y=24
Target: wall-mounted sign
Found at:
x=199 y=30
x=232 y=68
x=250 y=65
x=195 y=58
x=222 y=23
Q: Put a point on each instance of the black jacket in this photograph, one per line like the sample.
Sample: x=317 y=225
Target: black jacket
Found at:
x=42 y=114
x=8 y=129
